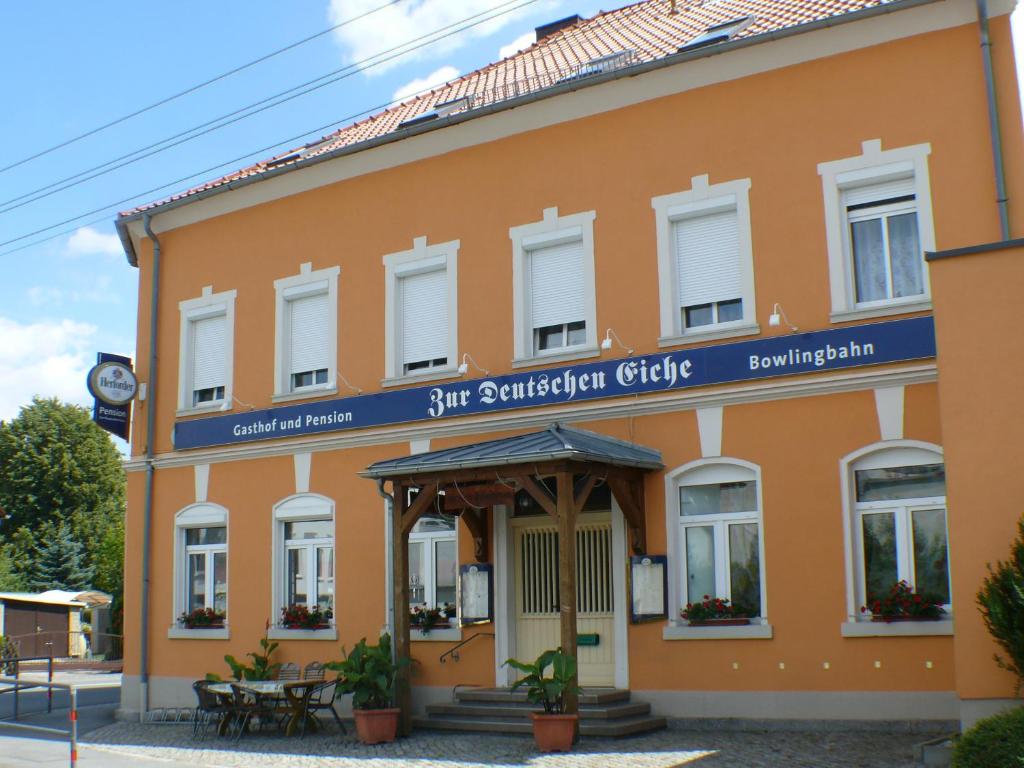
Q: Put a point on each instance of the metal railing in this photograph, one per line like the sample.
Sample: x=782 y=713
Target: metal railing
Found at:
x=454 y=650
x=14 y=664
x=72 y=730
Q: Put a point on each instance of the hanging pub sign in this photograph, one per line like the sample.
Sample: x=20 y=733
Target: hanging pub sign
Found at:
x=894 y=341
x=476 y=593
x=113 y=385
x=648 y=587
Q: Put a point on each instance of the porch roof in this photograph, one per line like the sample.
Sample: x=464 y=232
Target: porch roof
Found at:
x=557 y=442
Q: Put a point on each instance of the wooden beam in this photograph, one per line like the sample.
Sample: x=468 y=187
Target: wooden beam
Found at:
x=400 y=593
x=566 y=517
x=476 y=522
x=491 y=474
x=484 y=495
x=539 y=493
x=423 y=502
x=629 y=492
x=582 y=489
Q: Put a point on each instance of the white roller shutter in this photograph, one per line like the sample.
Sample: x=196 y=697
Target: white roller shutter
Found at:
x=708 y=258
x=424 y=300
x=308 y=333
x=885 y=190
x=556 y=285
x=209 y=352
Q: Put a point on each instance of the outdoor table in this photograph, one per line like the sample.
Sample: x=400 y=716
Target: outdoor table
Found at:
x=292 y=692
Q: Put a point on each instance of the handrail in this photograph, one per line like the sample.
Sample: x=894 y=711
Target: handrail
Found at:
x=8 y=662
x=71 y=733
x=454 y=650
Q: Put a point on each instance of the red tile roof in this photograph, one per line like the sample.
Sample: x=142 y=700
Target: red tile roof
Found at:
x=648 y=28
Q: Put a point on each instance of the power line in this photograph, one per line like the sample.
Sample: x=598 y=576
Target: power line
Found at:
x=195 y=88
x=261 y=106
x=111 y=207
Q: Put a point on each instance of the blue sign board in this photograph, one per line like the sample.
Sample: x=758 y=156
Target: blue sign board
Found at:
x=849 y=347
x=112 y=413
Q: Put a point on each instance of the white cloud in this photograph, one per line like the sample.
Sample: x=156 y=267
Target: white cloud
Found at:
x=401 y=23
x=437 y=77
x=525 y=40
x=47 y=358
x=86 y=241
x=42 y=295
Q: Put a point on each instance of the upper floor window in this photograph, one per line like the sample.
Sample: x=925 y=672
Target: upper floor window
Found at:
x=306 y=332
x=899 y=523
x=554 y=308
x=421 y=312
x=878 y=224
x=705 y=261
x=205 y=353
x=719 y=530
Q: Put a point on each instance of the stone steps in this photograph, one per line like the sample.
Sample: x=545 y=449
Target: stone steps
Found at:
x=603 y=712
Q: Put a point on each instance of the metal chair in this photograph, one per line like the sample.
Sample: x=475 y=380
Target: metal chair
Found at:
x=288 y=672
x=320 y=697
x=314 y=671
x=211 y=708
x=248 y=704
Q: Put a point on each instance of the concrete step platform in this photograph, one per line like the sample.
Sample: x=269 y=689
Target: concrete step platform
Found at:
x=588 y=696
x=497 y=709
x=609 y=728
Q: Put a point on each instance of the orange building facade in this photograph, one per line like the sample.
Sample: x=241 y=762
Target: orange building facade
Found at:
x=758 y=211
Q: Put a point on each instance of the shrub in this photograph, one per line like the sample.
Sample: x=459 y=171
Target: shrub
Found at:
x=995 y=742
x=1001 y=601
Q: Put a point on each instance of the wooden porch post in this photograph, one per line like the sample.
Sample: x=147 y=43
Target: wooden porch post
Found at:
x=400 y=592
x=566 y=507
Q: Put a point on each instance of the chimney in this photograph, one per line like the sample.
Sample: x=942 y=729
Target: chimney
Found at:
x=545 y=30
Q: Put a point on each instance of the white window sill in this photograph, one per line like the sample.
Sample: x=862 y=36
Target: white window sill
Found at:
x=882 y=310
x=434 y=374
x=577 y=353
x=200 y=409
x=939 y=628
x=305 y=394
x=282 y=633
x=182 y=633
x=743 y=632
x=442 y=634
x=712 y=334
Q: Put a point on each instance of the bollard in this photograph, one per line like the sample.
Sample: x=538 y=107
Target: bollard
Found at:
x=49 y=679
x=74 y=727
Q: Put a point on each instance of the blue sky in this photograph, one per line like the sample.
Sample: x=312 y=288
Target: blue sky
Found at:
x=72 y=66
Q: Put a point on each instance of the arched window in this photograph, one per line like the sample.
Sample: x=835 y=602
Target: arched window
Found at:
x=201 y=559
x=896 y=511
x=717 y=509
x=304 y=553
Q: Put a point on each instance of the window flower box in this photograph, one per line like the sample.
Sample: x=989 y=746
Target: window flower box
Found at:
x=299 y=616
x=202 y=618
x=716 y=612
x=904 y=603
x=426 y=619
x=735 y=621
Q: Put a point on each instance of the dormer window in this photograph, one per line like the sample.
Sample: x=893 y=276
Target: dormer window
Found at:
x=719 y=33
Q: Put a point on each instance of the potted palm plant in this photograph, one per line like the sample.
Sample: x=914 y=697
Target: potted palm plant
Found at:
x=554 y=731
x=368 y=673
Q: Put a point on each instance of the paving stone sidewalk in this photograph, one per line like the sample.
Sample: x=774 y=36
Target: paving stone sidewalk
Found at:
x=665 y=749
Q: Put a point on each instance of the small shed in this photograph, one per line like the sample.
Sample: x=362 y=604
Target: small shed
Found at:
x=43 y=623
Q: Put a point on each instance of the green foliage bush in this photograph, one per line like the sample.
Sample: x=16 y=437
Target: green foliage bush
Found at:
x=1001 y=601
x=995 y=742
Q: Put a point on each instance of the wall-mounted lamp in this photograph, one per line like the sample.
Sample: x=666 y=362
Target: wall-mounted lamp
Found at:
x=464 y=367
x=231 y=400
x=606 y=343
x=777 y=316
x=348 y=383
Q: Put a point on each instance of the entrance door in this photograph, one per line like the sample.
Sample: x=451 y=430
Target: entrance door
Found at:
x=34 y=625
x=537 y=626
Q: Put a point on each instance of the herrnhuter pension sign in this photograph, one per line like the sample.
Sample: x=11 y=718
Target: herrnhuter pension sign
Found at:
x=112 y=384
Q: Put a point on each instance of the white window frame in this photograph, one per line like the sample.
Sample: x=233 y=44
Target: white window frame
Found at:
x=430 y=539
x=702 y=199
x=889 y=453
x=200 y=515
x=873 y=166
x=205 y=306
x=420 y=259
x=704 y=471
x=551 y=230
x=308 y=282
x=298 y=508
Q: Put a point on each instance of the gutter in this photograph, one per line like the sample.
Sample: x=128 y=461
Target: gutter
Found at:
x=121 y=223
x=147 y=519
x=995 y=136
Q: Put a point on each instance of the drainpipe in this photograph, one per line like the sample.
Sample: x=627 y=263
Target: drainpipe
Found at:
x=993 y=119
x=389 y=598
x=147 y=515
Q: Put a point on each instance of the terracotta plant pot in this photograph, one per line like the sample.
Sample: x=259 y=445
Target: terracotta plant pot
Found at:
x=376 y=726
x=735 y=621
x=554 y=733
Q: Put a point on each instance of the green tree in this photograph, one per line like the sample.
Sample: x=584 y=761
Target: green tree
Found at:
x=59 y=560
x=57 y=466
x=1001 y=601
